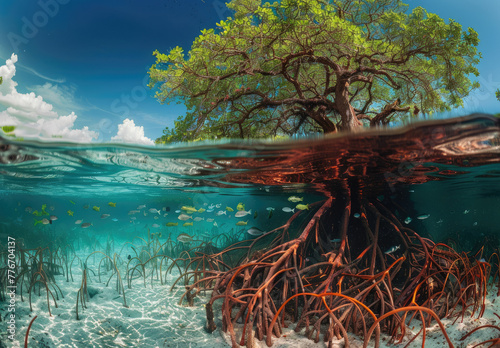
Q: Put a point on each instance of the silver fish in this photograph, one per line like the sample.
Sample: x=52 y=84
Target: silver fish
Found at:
x=423 y=216
x=288 y=210
x=407 y=220
x=254 y=231
x=242 y=213
x=393 y=249
x=184 y=217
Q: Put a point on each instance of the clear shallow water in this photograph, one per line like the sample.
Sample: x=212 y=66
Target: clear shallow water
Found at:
x=439 y=168
x=446 y=172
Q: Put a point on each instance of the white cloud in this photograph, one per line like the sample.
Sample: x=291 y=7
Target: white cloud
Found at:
x=33 y=113
x=61 y=97
x=34 y=117
x=128 y=132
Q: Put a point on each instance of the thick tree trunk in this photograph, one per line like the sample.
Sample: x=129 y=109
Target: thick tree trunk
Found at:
x=324 y=122
x=348 y=119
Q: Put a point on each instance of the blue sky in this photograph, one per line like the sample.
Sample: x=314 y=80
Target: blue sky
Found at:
x=91 y=57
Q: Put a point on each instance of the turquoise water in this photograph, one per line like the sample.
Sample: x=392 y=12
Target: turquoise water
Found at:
x=441 y=178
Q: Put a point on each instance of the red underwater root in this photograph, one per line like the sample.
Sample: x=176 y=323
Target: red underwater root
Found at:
x=28 y=331
x=335 y=277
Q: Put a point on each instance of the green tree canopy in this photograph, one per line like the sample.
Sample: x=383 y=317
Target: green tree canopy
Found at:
x=311 y=65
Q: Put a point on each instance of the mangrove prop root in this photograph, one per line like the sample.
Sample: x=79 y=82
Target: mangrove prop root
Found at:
x=28 y=331
x=349 y=285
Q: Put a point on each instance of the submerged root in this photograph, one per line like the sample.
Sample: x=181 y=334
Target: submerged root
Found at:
x=345 y=288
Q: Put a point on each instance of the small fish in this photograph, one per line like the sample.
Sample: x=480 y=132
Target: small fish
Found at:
x=78 y=222
x=114 y=219
x=154 y=211
x=188 y=209
x=104 y=216
x=170 y=224
x=423 y=216
x=155 y=217
x=155 y=225
x=129 y=257
x=111 y=204
x=411 y=191
x=466 y=211
x=240 y=207
x=86 y=224
x=210 y=210
x=198 y=219
x=133 y=218
x=184 y=238
x=187 y=224
x=142 y=206
x=336 y=240
x=440 y=221
x=241 y=223
x=28 y=209
x=302 y=206
x=407 y=220
x=145 y=214
x=255 y=215
x=72 y=202
x=221 y=212
x=393 y=249
x=51 y=208
x=288 y=210
x=96 y=208
x=474 y=224
x=70 y=213
x=295 y=199
x=270 y=209
x=356 y=215
x=132 y=212
x=53 y=218
x=44 y=221
x=201 y=210
x=177 y=211
x=164 y=215
x=254 y=231
x=210 y=220
x=184 y=217
x=229 y=209
x=86 y=206
x=242 y=213
x=166 y=208
x=218 y=205
x=215 y=224
x=211 y=206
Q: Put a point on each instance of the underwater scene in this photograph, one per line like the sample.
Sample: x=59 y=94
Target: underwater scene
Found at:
x=368 y=239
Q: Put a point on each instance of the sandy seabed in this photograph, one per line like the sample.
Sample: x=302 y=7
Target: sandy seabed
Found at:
x=154 y=319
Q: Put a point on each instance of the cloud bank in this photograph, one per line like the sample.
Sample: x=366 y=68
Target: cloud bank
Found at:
x=35 y=117
x=128 y=132
x=32 y=116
